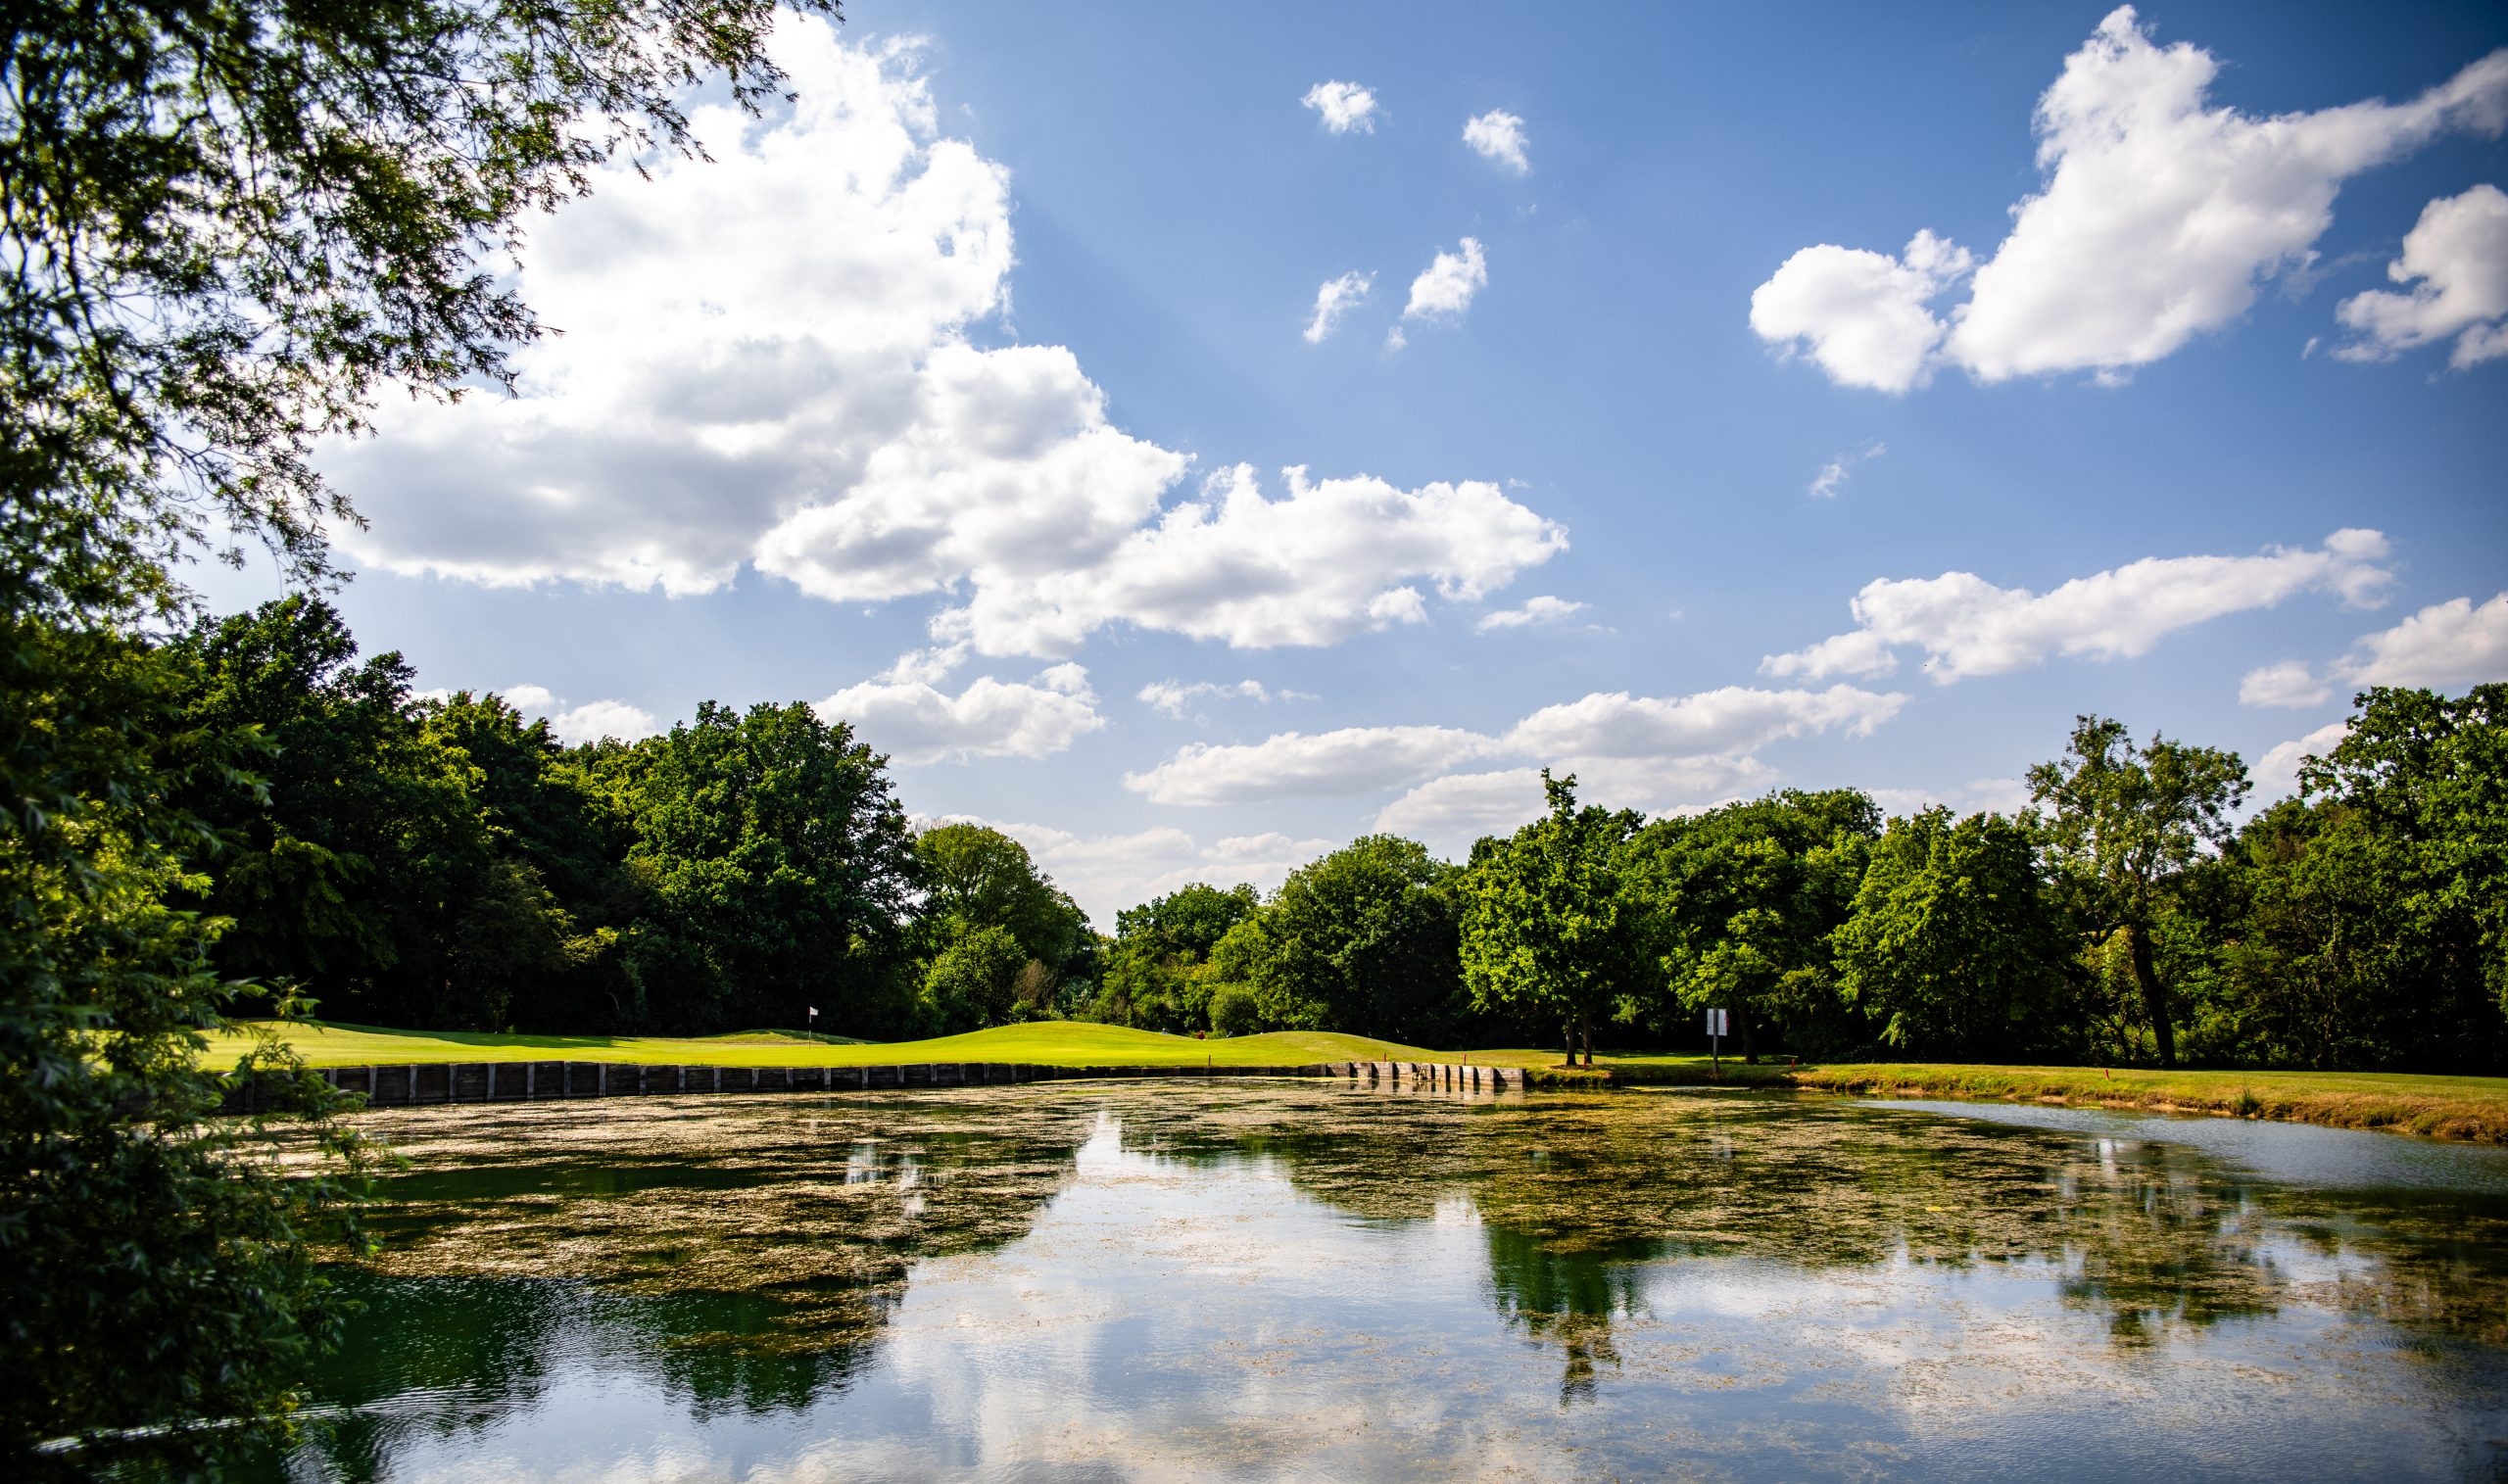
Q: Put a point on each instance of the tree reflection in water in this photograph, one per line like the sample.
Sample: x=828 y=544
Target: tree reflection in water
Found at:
x=750 y=1253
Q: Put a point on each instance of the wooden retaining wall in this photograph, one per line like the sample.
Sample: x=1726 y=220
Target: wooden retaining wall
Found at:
x=393 y=1087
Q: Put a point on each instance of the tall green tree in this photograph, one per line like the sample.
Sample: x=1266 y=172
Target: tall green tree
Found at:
x=1956 y=944
x=1365 y=940
x=1157 y=972
x=2122 y=825
x=2432 y=772
x=547 y=933
x=157 y=1301
x=974 y=981
x=2366 y=929
x=1740 y=902
x=976 y=879
x=357 y=858
x=781 y=870
x=1548 y=925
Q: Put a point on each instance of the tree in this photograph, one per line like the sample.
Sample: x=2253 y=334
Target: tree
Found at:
x=2366 y=926
x=976 y=877
x=781 y=869
x=1235 y=1011
x=353 y=856
x=1740 y=902
x=155 y=1278
x=560 y=844
x=1955 y=943
x=1365 y=940
x=1548 y=927
x=2432 y=773
x=1158 y=974
x=974 y=981
x=2122 y=823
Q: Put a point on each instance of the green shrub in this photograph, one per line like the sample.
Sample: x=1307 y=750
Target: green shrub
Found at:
x=1235 y=1011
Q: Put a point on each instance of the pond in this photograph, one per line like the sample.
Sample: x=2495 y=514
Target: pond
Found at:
x=1313 y=1281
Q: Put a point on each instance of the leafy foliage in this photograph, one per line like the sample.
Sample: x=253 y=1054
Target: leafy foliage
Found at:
x=780 y=871
x=974 y=879
x=230 y=224
x=974 y=982
x=1365 y=940
x=2365 y=926
x=2123 y=824
x=1551 y=924
x=152 y=1264
x=1956 y=944
x=1741 y=902
x=1159 y=975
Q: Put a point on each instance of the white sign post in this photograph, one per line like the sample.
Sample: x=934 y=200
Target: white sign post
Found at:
x=1716 y=1038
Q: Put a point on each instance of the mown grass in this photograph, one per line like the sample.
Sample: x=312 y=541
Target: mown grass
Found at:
x=1049 y=1043
x=2472 y=1108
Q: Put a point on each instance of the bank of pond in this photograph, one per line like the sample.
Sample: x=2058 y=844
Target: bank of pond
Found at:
x=395 y=1066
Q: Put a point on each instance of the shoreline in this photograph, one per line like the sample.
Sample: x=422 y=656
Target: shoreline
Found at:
x=2473 y=1110
x=2457 y=1108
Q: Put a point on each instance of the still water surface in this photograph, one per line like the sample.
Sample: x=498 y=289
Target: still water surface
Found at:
x=1299 y=1281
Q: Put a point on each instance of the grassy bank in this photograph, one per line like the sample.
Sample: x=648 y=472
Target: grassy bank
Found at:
x=2471 y=1108
x=1050 y=1043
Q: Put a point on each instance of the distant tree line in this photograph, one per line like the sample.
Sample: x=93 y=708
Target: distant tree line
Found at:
x=443 y=862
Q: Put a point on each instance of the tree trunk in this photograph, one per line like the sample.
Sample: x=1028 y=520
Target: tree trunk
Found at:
x=1749 y=1047
x=2155 y=995
x=1567 y=1039
x=1585 y=1019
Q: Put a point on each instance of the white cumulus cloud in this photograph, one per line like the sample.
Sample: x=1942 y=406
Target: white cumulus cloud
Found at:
x=2455 y=267
x=2285 y=683
x=1108 y=873
x=1978 y=795
x=1172 y=698
x=1732 y=720
x=1644 y=750
x=1344 y=107
x=2445 y=645
x=1861 y=315
x=2276 y=775
x=915 y=722
x=1350 y=760
x=1445 y=288
x=1498 y=136
x=2448 y=644
x=1544 y=609
x=1447 y=814
x=1337 y=298
x=590 y=721
x=765 y=362
x=1968 y=626
x=2157 y=216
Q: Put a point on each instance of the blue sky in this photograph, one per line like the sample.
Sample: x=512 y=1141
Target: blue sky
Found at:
x=927 y=401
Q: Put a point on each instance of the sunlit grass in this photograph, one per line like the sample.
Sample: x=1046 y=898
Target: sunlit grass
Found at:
x=2451 y=1107
x=2446 y=1107
x=1051 y=1043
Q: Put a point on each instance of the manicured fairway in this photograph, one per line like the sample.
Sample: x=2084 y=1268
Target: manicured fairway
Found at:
x=1051 y=1043
x=2448 y=1107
